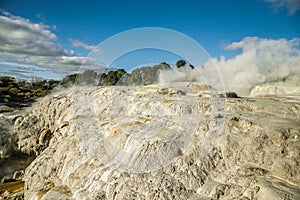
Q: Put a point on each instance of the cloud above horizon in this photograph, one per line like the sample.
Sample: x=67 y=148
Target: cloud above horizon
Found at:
x=291 y=5
x=20 y=36
x=78 y=43
x=262 y=61
x=28 y=43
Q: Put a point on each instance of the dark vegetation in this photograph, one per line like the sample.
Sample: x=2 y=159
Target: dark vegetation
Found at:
x=180 y=63
x=14 y=93
x=140 y=76
x=19 y=93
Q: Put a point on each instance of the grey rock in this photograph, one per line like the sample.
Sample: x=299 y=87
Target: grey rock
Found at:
x=6 y=125
x=155 y=143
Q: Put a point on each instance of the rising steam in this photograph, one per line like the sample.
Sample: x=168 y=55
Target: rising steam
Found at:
x=262 y=62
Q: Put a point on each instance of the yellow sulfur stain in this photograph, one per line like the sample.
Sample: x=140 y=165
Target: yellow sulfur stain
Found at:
x=135 y=123
x=168 y=101
x=44 y=135
x=9 y=189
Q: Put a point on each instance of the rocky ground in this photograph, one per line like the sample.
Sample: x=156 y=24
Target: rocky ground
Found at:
x=158 y=142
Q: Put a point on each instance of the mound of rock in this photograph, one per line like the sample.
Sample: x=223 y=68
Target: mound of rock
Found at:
x=275 y=90
x=155 y=142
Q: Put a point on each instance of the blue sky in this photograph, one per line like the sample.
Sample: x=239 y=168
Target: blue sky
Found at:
x=73 y=28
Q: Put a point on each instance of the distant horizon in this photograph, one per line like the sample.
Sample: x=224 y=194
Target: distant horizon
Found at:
x=17 y=74
x=244 y=39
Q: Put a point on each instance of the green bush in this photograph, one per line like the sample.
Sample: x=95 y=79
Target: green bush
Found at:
x=88 y=77
x=68 y=80
x=18 y=93
x=180 y=63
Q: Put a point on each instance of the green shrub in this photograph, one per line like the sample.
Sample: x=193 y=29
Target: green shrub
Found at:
x=180 y=63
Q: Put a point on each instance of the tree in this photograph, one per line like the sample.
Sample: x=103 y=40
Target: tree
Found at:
x=68 y=80
x=180 y=63
x=88 y=77
x=112 y=77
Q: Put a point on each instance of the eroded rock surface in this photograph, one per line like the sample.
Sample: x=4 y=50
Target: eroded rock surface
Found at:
x=159 y=142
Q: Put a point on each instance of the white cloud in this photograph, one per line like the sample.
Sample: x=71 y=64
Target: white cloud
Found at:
x=25 y=43
x=77 y=43
x=291 y=5
x=67 y=64
x=262 y=61
x=20 y=36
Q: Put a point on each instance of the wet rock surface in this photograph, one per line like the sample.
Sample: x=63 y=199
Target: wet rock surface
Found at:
x=159 y=142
